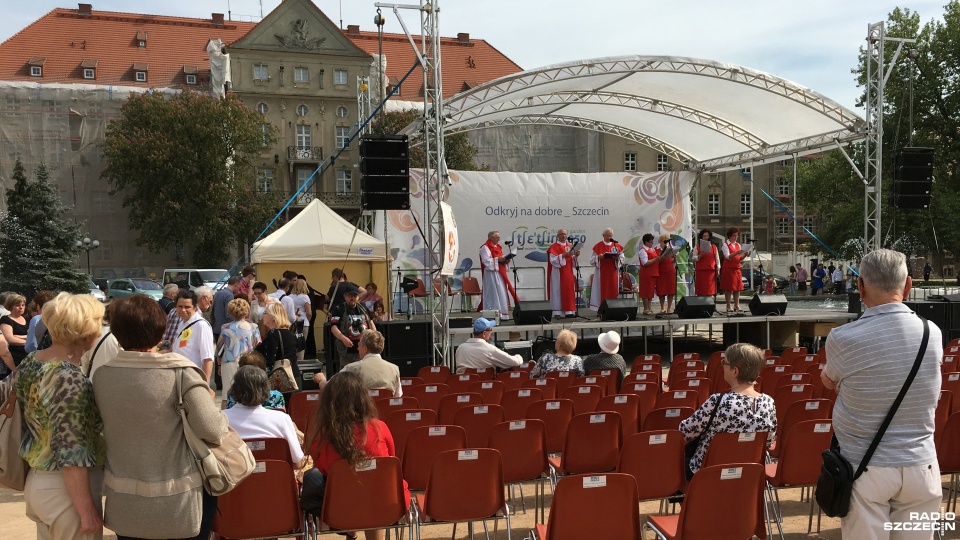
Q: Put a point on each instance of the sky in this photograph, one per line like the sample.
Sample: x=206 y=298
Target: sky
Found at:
x=813 y=43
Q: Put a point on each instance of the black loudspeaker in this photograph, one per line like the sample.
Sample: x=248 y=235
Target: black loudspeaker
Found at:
x=406 y=339
x=409 y=367
x=536 y=312
x=913 y=177
x=854 y=305
x=385 y=166
x=696 y=307
x=768 y=304
x=618 y=309
x=936 y=312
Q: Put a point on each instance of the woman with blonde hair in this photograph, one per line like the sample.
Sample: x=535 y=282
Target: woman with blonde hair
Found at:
x=236 y=339
x=279 y=343
x=563 y=359
x=300 y=294
x=62 y=428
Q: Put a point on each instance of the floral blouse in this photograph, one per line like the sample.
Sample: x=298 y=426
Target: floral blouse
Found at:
x=553 y=362
x=274 y=401
x=737 y=414
x=239 y=338
x=62 y=426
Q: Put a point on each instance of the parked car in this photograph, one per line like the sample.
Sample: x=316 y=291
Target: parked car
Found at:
x=95 y=291
x=760 y=277
x=121 y=288
x=191 y=278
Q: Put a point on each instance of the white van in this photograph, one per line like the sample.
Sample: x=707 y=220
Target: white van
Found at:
x=191 y=278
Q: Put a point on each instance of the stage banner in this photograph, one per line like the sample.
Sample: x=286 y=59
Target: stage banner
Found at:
x=528 y=209
x=451 y=243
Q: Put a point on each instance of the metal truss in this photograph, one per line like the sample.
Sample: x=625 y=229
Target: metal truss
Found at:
x=785 y=150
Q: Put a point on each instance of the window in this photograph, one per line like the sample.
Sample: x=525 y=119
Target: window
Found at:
x=267 y=131
x=342 y=112
x=713 y=204
x=340 y=76
x=36 y=71
x=663 y=164
x=89 y=73
x=344 y=181
x=301 y=75
x=260 y=72
x=343 y=135
x=303 y=136
x=302 y=110
x=783 y=225
x=630 y=161
x=783 y=186
x=141 y=76
x=264 y=180
x=262 y=108
x=744 y=204
x=808 y=223
x=191 y=79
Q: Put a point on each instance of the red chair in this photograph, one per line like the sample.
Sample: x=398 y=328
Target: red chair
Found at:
x=819 y=390
x=469 y=289
x=771 y=376
x=800 y=411
x=269 y=448
x=422 y=447
x=628 y=407
x=647 y=392
x=513 y=379
x=401 y=423
x=485 y=374
x=786 y=395
x=526 y=366
x=477 y=421
x=366 y=497
x=451 y=403
x=684 y=356
x=728 y=448
x=699 y=385
x=523 y=446
x=592 y=445
x=642 y=377
x=610 y=500
x=555 y=415
x=943 y=412
x=564 y=379
x=516 y=402
x=645 y=358
x=799 y=463
x=677 y=398
x=795 y=378
x=460 y=382
x=603 y=382
x=802 y=363
x=584 y=398
x=385 y=406
x=266 y=503
x=675 y=377
x=300 y=405
x=789 y=355
x=379 y=393
x=651 y=368
x=721 y=499
x=434 y=374
x=613 y=378
x=948 y=456
x=491 y=392
x=429 y=395
x=547 y=386
x=951 y=383
x=410 y=382
x=656 y=460
x=666 y=418
x=950 y=364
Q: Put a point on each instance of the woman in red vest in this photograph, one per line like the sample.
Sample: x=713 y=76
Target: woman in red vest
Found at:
x=667 y=280
x=707 y=264
x=649 y=270
x=731 y=279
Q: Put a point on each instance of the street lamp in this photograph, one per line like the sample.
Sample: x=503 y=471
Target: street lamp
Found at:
x=88 y=245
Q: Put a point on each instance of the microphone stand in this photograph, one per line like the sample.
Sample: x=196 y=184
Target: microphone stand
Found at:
x=396 y=292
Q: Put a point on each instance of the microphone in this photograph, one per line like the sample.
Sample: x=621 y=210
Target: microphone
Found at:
x=508 y=243
x=612 y=241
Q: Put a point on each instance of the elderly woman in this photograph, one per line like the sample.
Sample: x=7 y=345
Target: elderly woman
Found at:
x=275 y=400
x=741 y=410
x=252 y=421
x=15 y=327
x=152 y=485
x=608 y=357
x=563 y=359
x=279 y=343
x=236 y=339
x=62 y=440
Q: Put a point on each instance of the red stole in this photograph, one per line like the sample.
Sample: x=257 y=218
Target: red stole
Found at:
x=609 y=278
x=496 y=251
x=568 y=301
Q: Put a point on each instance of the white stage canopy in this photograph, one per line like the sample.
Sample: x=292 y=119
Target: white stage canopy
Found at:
x=708 y=115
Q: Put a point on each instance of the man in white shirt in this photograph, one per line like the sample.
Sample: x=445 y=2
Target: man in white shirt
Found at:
x=478 y=353
x=282 y=294
x=837 y=278
x=194 y=337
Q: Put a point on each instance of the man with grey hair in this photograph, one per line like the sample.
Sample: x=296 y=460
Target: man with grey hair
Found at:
x=372 y=368
x=868 y=362
x=497 y=289
x=169 y=299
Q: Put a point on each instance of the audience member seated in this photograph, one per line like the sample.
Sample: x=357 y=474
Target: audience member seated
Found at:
x=741 y=410
x=372 y=368
x=478 y=353
x=251 y=420
x=275 y=401
x=609 y=358
x=562 y=360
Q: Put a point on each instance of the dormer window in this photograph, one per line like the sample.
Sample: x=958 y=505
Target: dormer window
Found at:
x=89 y=67
x=141 y=39
x=191 y=79
x=36 y=66
x=191 y=74
x=141 y=76
x=36 y=71
x=140 y=72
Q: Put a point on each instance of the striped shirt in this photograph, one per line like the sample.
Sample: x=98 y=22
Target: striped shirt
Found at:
x=870 y=359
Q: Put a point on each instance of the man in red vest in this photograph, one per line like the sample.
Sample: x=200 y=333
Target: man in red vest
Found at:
x=607 y=259
x=561 y=283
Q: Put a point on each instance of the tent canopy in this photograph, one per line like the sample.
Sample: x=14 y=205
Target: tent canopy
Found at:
x=318 y=233
x=708 y=115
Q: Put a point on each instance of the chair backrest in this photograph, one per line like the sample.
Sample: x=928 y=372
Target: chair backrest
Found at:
x=689 y=364
x=819 y=390
x=610 y=500
x=950 y=364
x=429 y=395
x=652 y=377
x=800 y=459
x=451 y=403
x=481 y=469
x=642 y=358
x=948 y=446
x=677 y=398
x=944 y=410
x=269 y=448
x=666 y=418
x=795 y=378
x=485 y=374
x=788 y=355
x=584 y=398
x=564 y=379
x=700 y=385
x=523 y=446
x=422 y=446
x=460 y=382
x=655 y=459
x=491 y=392
x=628 y=406
x=410 y=382
x=401 y=423
x=271 y=488
x=685 y=356
x=379 y=393
x=723 y=499
x=526 y=366
x=592 y=444
x=785 y=395
x=471 y=286
x=951 y=383
x=800 y=411
x=801 y=363
x=603 y=381
x=299 y=407
x=556 y=415
x=648 y=367
x=727 y=448
x=421 y=289
x=513 y=379
x=434 y=374
x=647 y=392
x=771 y=378
x=516 y=402
x=675 y=376
x=477 y=421
x=367 y=496
x=547 y=386
x=387 y=405
x=613 y=378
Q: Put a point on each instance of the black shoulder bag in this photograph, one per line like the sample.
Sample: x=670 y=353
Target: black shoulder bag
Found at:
x=835 y=485
x=691 y=447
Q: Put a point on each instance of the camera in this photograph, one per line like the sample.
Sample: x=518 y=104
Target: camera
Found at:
x=357 y=326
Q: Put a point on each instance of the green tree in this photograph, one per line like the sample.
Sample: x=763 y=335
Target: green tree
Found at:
x=457 y=148
x=37 y=246
x=185 y=166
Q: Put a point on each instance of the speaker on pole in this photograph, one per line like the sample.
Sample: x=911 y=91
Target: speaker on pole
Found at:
x=768 y=304
x=385 y=166
x=532 y=312
x=618 y=309
x=913 y=177
x=696 y=307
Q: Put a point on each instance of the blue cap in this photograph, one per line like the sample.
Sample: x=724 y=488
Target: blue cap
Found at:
x=482 y=325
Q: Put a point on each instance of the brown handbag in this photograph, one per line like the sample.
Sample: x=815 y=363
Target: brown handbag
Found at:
x=13 y=469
